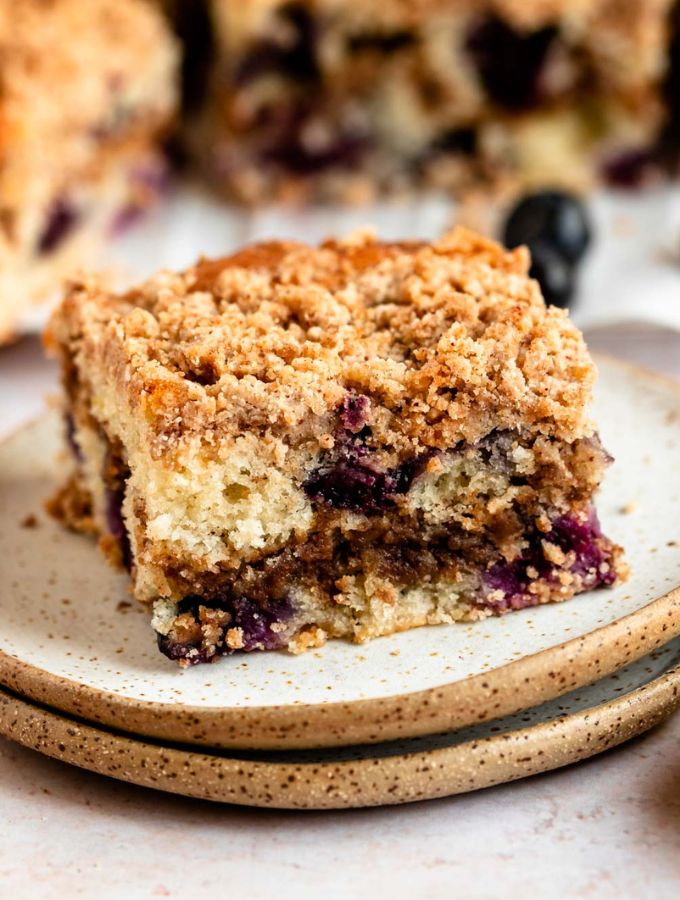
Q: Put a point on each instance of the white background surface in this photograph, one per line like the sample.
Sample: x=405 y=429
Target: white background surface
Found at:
x=607 y=828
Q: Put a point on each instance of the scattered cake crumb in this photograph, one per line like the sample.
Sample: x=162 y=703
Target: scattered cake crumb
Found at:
x=234 y=638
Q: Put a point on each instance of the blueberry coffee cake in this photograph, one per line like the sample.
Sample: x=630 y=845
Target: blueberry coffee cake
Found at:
x=87 y=91
x=337 y=98
x=295 y=443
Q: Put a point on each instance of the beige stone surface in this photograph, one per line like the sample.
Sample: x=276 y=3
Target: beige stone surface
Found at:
x=606 y=828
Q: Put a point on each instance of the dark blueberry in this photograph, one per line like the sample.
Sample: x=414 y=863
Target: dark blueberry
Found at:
x=584 y=539
x=553 y=217
x=256 y=623
x=116 y=524
x=554 y=274
x=350 y=483
x=115 y=475
x=353 y=481
x=574 y=535
x=263 y=627
x=513 y=581
x=458 y=140
x=630 y=168
x=286 y=145
x=70 y=430
x=178 y=651
x=509 y=63
x=61 y=220
x=193 y=24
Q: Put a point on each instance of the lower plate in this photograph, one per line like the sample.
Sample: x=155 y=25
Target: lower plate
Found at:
x=71 y=639
x=571 y=728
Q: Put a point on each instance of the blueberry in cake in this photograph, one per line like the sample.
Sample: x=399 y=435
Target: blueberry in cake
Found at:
x=295 y=443
x=88 y=91
x=336 y=98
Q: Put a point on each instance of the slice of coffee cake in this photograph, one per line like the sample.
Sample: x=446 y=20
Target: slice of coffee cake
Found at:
x=297 y=443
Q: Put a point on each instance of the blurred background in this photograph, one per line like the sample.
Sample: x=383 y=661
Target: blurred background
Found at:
x=141 y=134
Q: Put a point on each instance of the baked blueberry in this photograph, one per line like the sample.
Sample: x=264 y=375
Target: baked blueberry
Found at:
x=62 y=218
x=630 y=168
x=509 y=62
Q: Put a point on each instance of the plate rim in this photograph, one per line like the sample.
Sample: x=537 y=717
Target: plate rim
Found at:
x=507 y=689
x=372 y=781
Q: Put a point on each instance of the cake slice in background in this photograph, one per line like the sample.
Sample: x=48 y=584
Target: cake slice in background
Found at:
x=89 y=89
x=295 y=443
x=336 y=99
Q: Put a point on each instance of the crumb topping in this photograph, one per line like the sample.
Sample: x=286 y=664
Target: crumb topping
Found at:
x=446 y=340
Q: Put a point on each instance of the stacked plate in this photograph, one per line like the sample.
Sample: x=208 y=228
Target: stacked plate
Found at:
x=422 y=714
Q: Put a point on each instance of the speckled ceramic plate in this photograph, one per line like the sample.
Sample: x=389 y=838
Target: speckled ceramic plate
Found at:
x=70 y=639
x=566 y=730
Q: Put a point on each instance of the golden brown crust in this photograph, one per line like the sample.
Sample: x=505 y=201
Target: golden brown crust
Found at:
x=447 y=340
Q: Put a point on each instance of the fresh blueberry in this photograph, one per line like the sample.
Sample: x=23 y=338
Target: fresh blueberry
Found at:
x=552 y=217
x=553 y=272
